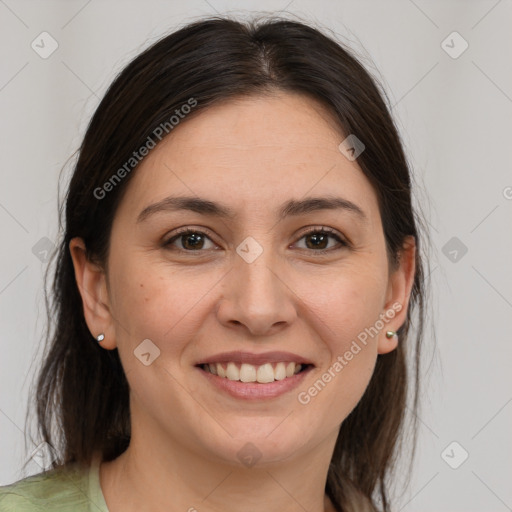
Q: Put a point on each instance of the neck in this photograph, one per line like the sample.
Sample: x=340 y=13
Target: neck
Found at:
x=158 y=475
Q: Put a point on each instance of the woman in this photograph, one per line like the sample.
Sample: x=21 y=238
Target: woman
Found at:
x=235 y=286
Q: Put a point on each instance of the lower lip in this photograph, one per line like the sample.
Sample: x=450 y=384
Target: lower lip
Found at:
x=256 y=390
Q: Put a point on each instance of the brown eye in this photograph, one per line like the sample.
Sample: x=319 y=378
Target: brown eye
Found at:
x=190 y=240
x=318 y=240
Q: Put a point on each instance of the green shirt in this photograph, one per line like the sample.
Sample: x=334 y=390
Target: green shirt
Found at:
x=69 y=489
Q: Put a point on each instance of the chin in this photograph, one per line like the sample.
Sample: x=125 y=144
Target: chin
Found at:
x=262 y=444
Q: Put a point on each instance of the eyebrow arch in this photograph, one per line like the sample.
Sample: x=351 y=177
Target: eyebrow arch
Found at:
x=290 y=208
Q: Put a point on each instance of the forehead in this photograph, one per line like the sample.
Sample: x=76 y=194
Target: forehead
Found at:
x=263 y=125
x=250 y=151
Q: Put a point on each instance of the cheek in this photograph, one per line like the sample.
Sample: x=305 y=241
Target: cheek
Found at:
x=344 y=304
x=346 y=307
x=343 y=313
x=153 y=301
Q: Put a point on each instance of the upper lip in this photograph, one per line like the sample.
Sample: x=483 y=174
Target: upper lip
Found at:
x=238 y=356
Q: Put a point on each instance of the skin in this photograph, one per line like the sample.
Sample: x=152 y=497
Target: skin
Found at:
x=186 y=433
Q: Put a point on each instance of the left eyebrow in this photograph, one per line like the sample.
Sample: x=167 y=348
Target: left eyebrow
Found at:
x=290 y=208
x=312 y=204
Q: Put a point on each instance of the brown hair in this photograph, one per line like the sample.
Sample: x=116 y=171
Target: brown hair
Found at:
x=81 y=385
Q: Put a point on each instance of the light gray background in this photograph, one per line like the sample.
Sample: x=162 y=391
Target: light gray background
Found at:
x=454 y=115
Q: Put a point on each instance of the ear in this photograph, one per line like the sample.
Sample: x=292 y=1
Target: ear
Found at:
x=91 y=281
x=398 y=295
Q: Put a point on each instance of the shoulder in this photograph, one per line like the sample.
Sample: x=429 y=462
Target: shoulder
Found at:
x=63 y=489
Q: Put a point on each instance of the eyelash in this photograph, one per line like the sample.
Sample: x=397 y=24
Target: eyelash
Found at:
x=325 y=230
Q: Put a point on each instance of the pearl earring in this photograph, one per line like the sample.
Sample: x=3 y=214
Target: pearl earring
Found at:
x=390 y=334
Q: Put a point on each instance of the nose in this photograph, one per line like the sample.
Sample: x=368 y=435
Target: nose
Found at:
x=257 y=297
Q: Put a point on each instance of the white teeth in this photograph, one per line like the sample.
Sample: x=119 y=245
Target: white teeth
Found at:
x=280 y=371
x=250 y=373
x=232 y=372
x=265 y=373
x=220 y=370
x=247 y=373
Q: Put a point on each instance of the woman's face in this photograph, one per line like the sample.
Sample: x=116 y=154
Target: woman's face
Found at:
x=254 y=282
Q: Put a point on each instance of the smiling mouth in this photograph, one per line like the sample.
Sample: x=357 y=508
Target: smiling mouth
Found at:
x=262 y=374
